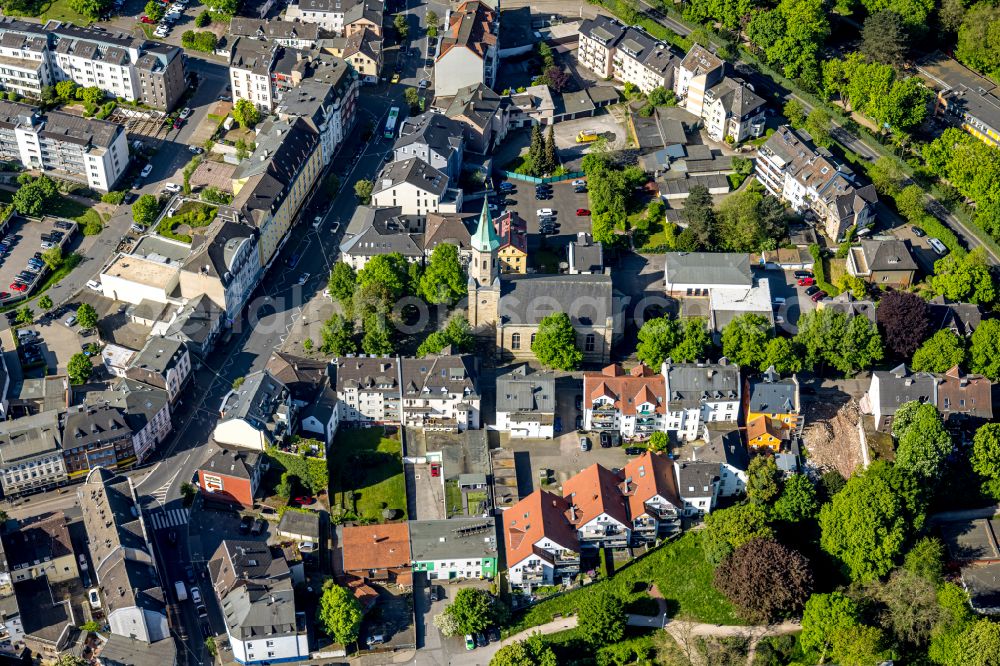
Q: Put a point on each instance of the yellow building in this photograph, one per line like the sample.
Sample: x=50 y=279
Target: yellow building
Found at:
x=764 y=432
x=271 y=185
x=513 y=251
x=772 y=410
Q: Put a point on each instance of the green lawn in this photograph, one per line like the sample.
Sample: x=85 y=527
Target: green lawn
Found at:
x=55 y=9
x=65 y=207
x=371 y=465
x=680 y=572
x=453 y=498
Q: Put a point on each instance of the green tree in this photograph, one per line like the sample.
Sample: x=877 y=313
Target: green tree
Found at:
x=910 y=203
x=246 y=113
x=794 y=112
x=748 y=221
x=555 y=343
x=858 y=646
x=979 y=39
x=225 y=9
x=30 y=199
x=884 y=38
x=964 y=278
x=444 y=280
x=797 y=501
x=551 y=157
x=946 y=638
x=92 y=9
x=24 y=315
x=363 y=191
x=87 y=316
x=728 y=529
x=658 y=442
x=926 y=560
x=388 y=270
x=699 y=213
x=782 y=354
x=154 y=10
x=657 y=339
x=45 y=302
x=923 y=442
x=211 y=646
x=868 y=524
x=828 y=337
x=402 y=27
x=763 y=480
x=66 y=90
x=286 y=486
x=412 y=98
x=339 y=613
x=745 y=338
x=984 y=353
x=941 y=352
x=601 y=617
x=695 y=343
x=91 y=96
x=986 y=458
x=980 y=643
x=342 y=283
x=536 y=151
x=472 y=610
x=145 y=210
x=825 y=616
x=203 y=20
x=378 y=338
x=818 y=125
x=457 y=334
x=79 y=368
x=530 y=652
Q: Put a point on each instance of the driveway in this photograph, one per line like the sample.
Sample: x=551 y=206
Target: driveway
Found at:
x=426 y=501
x=784 y=285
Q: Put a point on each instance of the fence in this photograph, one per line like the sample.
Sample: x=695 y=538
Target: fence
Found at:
x=549 y=179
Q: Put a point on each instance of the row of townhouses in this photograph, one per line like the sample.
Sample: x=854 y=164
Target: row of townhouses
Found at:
x=136 y=70
x=114 y=428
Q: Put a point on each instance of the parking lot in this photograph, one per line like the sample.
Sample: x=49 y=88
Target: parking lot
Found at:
x=784 y=285
x=564 y=202
x=605 y=125
x=560 y=458
x=24 y=243
x=426 y=490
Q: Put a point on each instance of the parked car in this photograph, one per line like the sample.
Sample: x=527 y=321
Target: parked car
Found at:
x=189 y=573
x=918 y=232
x=506 y=186
x=542 y=196
x=196 y=150
x=584 y=443
x=178 y=123
x=146 y=170
x=185 y=113
x=634 y=451
x=423 y=84
x=173 y=188
x=578 y=182
x=258 y=527
x=375 y=639
x=818 y=296
x=582 y=212
x=940 y=248
x=304 y=278
x=544 y=212
x=145 y=19
x=18 y=287
x=195 y=594
x=481 y=639
x=812 y=290
x=435 y=469
x=71 y=320
x=802 y=274
x=245 y=523
x=395 y=77
x=63 y=225
x=305 y=500
x=807 y=281
x=470 y=644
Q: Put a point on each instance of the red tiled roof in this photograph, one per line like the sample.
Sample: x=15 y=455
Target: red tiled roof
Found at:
x=471 y=27
x=376 y=547
x=540 y=514
x=628 y=391
x=592 y=492
x=647 y=476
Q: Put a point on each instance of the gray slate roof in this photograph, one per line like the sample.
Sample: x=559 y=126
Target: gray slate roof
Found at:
x=414 y=171
x=527 y=299
x=689 y=383
x=261 y=610
x=305 y=523
x=472 y=538
x=695 y=479
x=522 y=390
x=440 y=133
x=29 y=436
x=901 y=385
x=711 y=268
x=773 y=395
x=888 y=255
x=239 y=464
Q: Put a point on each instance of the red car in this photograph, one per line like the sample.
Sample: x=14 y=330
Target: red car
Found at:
x=582 y=212
x=435 y=469
x=807 y=282
x=818 y=296
x=4 y=294
x=17 y=286
x=305 y=500
x=147 y=20
x=178 y=123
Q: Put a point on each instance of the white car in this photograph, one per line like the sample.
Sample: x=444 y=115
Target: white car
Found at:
x=304 y=278
x=423 y=83
x=94 y=598
x=185 y=112
x=196 y=150
x=196 y=595
x=317 y=222
x=335 y=228
x=578 y=182
x=94 y=284
x=146 y=170
x=173 y=188
x=544 y=212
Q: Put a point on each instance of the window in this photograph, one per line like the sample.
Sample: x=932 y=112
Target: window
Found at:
x=515 y=341
x=588 y=345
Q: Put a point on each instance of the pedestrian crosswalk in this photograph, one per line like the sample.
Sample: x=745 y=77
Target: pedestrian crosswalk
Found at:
x=162 y=519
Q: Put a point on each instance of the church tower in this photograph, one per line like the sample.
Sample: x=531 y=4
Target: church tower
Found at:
x=484 y=272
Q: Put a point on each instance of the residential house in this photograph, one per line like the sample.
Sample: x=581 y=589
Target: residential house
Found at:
x=434 y=138
x=484 y=116
x=363 y=50
x=321 y=417
x=542 y=547
x=849 y=306
x=375 y=231
x=31 y=455
x=84 y=150
x=122 y=651
x=368 y=389
x=231 y=477
x=513 y=251
x=440 y=392
x=526 y=403
x=597 y=509
x=96 y=436
x=974 y=546
x=724 y=445
x=250 y=64
x=628 y=54
x=717 y=285
x=697 y=73
x=962 y=319
x=224 y=265
x=585 y=255
x=145 y=409
x=809 y=179
x=295 y=34
x=649 y=487
x=270 y=187
x=198 y=323
x=468 y=53
x=327 y=101
x=338 y=16
x=462 y=548
x=127 y=580
x=964 y=399
x=697 y=486
x=39 y=546
x=773 y=410
x=304 y=377
x=887 y=263
x=416 y=188
x=163 y=363
x=254 y=588
x=699 y=394
x=257 y=414
x=48 y=626
x=733 y=112
x=377 y=553
x=891 y=389
x=633 y=404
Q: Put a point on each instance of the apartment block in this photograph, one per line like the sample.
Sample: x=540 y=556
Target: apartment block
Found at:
x=699 y=394
x=31 y=454
x=628 y=54
x=416 y=187
x=93 y=152
x=631 y=404
x=808 y=178
x=341 y=17
x=469 y=53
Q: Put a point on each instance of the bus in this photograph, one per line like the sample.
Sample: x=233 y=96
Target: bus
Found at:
x=390 y=123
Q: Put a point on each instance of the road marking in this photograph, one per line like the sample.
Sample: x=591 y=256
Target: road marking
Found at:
x=163 y=519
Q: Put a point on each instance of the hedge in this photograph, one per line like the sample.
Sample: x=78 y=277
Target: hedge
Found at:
x=819 y=270
x=311 y=472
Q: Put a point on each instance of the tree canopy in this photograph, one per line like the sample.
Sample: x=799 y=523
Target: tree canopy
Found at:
x=456 y=334
x=923 y=443
x=530 y=652
x=762 y=591
x=986 y=458
x=829 y=337
x=388 y=270
x=939 y=353
x=555 y=343
x=964 y=278
x=797 y=501
x=601 y=617
x=246 y=113
x=903 y=319
x=984 y=352
x=145 y=209
x=444 y=280
x=728 y=529
x=472 y=610
x=745 y=339
x=79 y=368
x=339 y=613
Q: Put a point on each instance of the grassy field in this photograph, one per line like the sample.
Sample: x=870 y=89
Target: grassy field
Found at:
x=453 y=498
x=680 y=572
x=371 y=465
x=56 y=9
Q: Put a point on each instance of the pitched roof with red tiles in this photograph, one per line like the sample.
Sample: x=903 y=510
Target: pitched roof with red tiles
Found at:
x=592 y=492
x=512 y=231
x=765 y=425
x=471 y=26
x=645 y=477
x=540 y=514
x=376 y=546
x=641 y=385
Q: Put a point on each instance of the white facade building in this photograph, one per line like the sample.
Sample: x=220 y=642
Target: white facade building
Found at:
x=698 y=394
x=413 y=185
x=469 y=53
